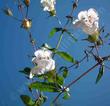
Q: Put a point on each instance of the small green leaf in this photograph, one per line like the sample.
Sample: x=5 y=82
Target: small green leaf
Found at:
x=45 y=87
x=72 y=36
x=49 y=76
x=26 y=71
x=66 y=56
x=100 y=74
x=59 y=80
x=27 y=100
x=65 y=72
x=107 y=35
x=66 y=95
x=53 y=31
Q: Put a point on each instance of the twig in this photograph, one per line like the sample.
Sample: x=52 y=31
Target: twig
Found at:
x=95 y=45
x=74 y=81
x=27 y=12
x=20 y=8
x=82 y=75
x=60 y=39
x=86 y=56
x=61 y=36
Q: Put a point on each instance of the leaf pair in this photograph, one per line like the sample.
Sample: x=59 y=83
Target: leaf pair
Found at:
x=54 y=30
x=29 y=102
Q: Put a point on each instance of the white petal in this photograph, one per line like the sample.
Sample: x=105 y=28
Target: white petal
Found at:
x=46 y=9
x=48 y=5
x=43 y=53
x=96 y=24
x=90 y=30
x=41 y=1
x=77 y=23
x=37 y=71
x=31 y=75
x=82 y=15
x=38 y=52
x=51 y=65
x=93 y=13
x=33 y=59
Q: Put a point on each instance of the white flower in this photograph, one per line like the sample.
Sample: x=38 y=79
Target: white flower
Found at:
x=48 y=5
x=88 y=21
x=42 y=54
x=43 y=60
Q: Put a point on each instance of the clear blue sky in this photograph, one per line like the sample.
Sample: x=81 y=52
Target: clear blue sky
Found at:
x=14 y=48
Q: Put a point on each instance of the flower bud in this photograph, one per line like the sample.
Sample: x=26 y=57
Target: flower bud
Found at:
x=8 y=12
x=99 y=42
x=26 y=23
x=93 y=38
x=27 y=2
x=52 y=13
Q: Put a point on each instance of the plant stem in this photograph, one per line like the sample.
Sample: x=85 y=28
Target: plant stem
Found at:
x=85 y=73
x=95 y=45
x=27 y=12
x=77 y=79
x=59 y=41
x=61 y=35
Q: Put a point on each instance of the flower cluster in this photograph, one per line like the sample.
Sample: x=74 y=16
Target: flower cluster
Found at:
x=49 y=5
x=43 y=60
x=88 y=21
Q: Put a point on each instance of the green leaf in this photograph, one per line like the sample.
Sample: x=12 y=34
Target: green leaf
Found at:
x=107 y=35
x=27 y=100
x=66 y=95
x=72 y=36
x=66 y=56
x=65 y=72
x=41 y=100
x=45 y=87
x=26 y=71
x=100 y=74
x=59 y=80
x=53 y=31
x=49 y=76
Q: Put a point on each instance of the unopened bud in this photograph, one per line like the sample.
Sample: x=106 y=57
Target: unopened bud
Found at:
x=26 y=23
x=27 y=2
x=8 y=12
x=52 y=13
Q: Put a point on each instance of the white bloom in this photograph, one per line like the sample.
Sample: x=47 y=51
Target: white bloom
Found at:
x=41 y=54
x=43 y=60
x=48 y=5
x=88 y=20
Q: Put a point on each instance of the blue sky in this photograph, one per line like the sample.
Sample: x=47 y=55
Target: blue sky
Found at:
x=15 y=46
